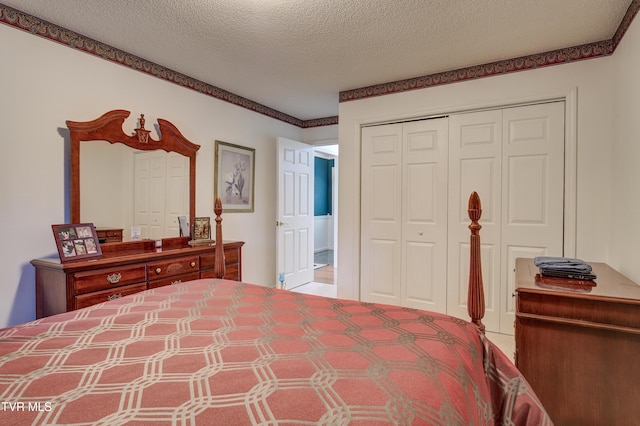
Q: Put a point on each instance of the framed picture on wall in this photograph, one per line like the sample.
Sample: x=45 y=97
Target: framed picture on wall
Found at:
x=234 y=177
x=77 y=241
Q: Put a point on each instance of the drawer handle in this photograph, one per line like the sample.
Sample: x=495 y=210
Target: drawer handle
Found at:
x=193 y=264
x=115 y=296
x=176 y=282
x=158 y=270
x=114 y=278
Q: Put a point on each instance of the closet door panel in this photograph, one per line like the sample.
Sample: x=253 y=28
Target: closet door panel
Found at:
x=424 y=214
x=381 y=221
x=475 y=164
x=533 y=191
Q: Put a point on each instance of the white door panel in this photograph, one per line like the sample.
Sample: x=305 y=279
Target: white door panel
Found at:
x=475 y=146
x=295 y=212
x=533 y=191
x=381 y=225
x=424 y=214
x=177 y=193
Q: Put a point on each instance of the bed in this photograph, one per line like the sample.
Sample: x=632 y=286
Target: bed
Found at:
x=213 y=351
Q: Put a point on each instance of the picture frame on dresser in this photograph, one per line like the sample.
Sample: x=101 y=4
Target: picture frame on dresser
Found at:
x=234 y=177
x=76 y=241
x=202 y=228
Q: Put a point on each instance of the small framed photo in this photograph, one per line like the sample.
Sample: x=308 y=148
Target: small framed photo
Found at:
x=201 y=228
x=76 y=242
x=234 y=177
x=184 y=226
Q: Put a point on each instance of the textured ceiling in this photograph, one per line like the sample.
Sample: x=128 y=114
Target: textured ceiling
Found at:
x=295 y=56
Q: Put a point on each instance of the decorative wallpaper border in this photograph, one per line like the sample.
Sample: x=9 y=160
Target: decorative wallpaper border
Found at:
x=74 y=40
x=77 y=41
x=554 y=57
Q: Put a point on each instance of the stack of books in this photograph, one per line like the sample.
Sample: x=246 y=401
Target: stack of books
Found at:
x=564 y=270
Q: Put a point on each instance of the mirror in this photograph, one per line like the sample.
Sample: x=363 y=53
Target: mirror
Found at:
x=120 y=181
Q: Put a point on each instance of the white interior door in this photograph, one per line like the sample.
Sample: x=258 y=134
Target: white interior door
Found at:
x=295 y=212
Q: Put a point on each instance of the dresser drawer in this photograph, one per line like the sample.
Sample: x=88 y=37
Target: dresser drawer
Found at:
x=230 y=257
x=176 y=279
x=167 y=268
x=231 y=272
x=89 y=299
x=104 y=279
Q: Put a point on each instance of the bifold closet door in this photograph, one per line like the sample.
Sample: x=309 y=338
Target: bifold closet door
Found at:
x=475 y=146
x=514 y=159
x=404 y=214
x=532 y=191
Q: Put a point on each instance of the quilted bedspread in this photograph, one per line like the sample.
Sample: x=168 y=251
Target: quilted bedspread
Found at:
x=221 y=352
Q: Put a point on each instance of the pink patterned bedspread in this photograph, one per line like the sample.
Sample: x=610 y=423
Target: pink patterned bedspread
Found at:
x=221 y=352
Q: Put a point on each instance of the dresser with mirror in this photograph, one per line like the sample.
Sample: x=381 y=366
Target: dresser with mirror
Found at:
x=130 y=185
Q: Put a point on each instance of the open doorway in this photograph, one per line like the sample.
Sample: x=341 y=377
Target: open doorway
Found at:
x=325 y=214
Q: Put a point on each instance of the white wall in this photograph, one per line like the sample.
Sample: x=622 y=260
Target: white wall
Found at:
x=588 y=83
x=44 y=84
x=625 y=185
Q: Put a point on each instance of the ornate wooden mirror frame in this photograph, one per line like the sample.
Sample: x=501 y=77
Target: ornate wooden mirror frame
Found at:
x=108 y=128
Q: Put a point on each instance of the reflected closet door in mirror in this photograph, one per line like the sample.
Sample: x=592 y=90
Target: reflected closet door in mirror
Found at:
x=122 y=187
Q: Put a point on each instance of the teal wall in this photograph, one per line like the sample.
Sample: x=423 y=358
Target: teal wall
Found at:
x=322 y=186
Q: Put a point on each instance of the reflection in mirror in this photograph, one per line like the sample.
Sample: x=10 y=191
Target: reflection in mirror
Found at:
x=131 y=180
x=124 y=188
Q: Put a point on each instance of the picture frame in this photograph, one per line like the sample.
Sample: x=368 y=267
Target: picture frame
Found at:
x=234 y=179
x=76 y=241
x=201 y=228
x=184 y=226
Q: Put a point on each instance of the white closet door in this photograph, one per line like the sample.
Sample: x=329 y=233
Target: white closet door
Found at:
x=381 y=222
x=533 y=192
x=475 y=146
x=404 y=214
x=424 y=214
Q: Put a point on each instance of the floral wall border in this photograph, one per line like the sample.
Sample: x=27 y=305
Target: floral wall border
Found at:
x=39 y=27
x=554 y=57
x=61 y=35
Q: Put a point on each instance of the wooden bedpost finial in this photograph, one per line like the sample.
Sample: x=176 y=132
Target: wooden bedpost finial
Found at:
x=475 y=300
x=219 y=263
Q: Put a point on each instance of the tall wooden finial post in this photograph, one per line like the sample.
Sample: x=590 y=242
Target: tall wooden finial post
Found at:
x=475 y=300
x=218 y=266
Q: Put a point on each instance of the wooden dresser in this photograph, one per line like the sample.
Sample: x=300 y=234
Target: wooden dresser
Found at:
x=579 y=347
x=133 y=267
